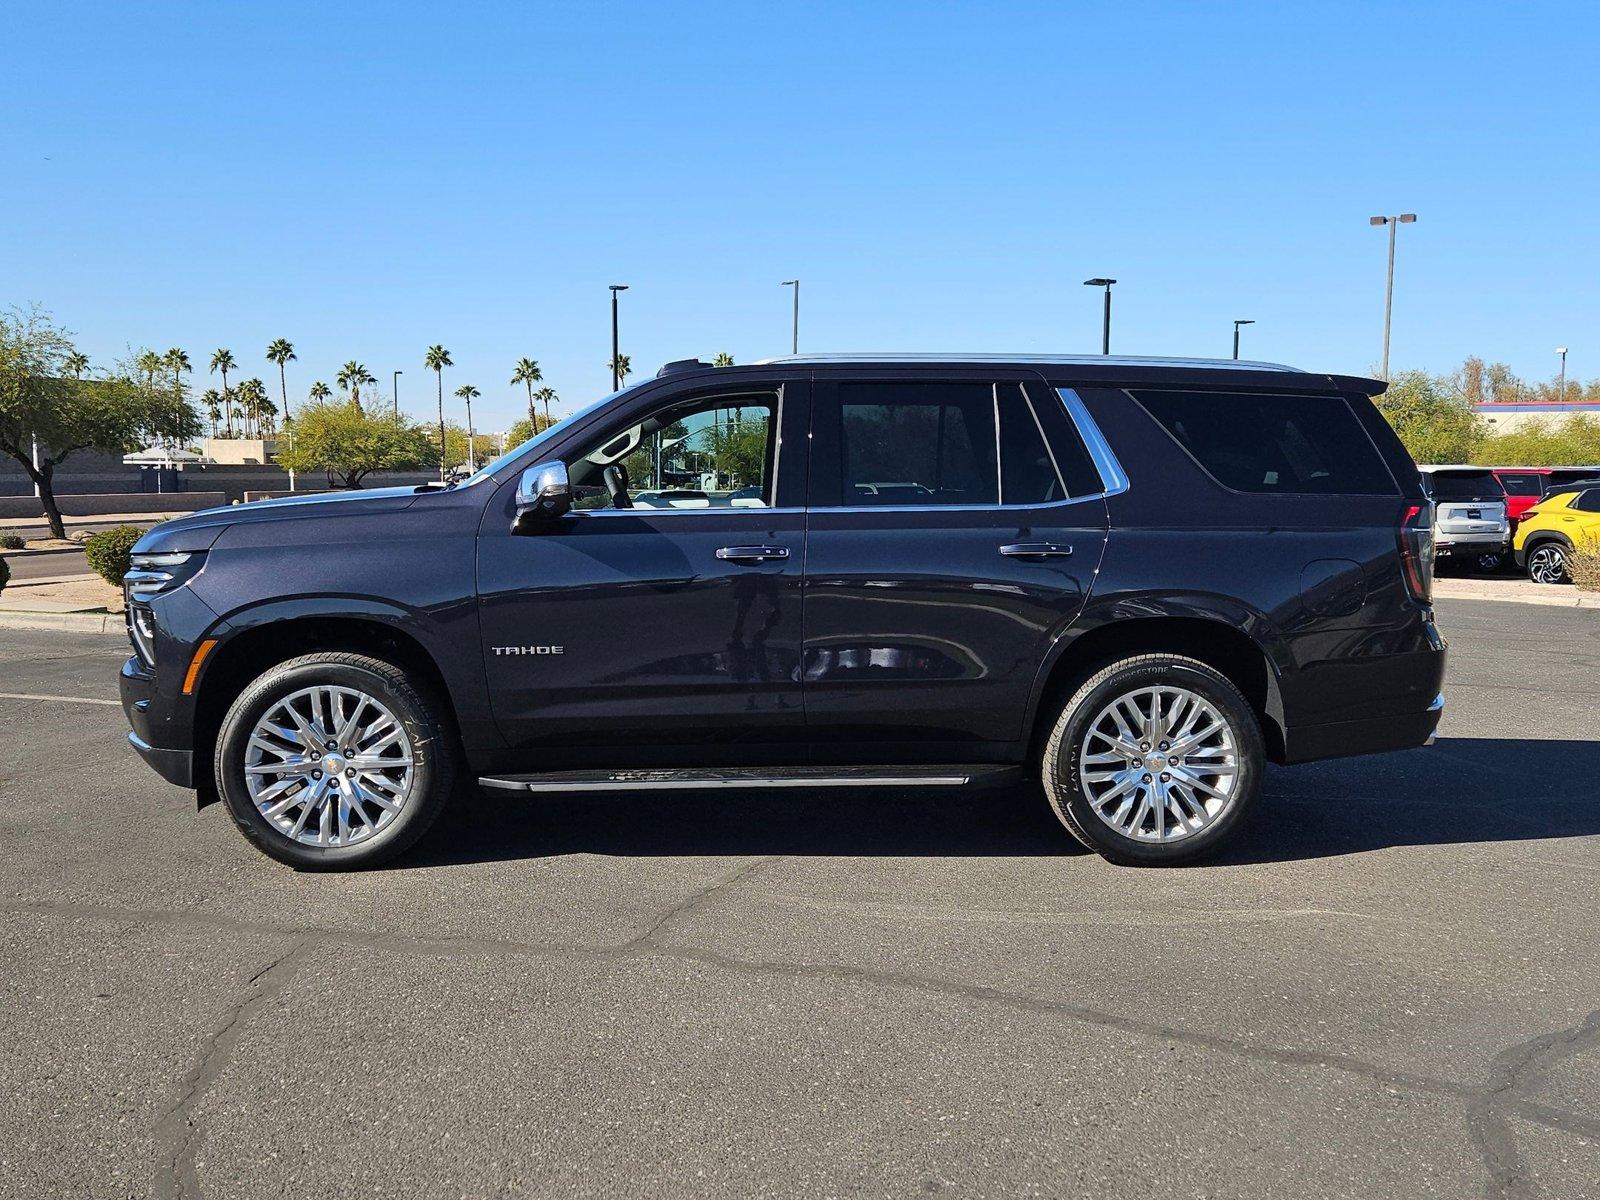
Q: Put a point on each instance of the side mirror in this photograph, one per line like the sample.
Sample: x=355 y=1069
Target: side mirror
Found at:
x=543 y=493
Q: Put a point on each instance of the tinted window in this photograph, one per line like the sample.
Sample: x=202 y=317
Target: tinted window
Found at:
x=1274 y=444
x=1521 y=485
x=1558 y=481
x=917 y=443
x=1027 y=469
x=1466 y=485
x=1588 y=502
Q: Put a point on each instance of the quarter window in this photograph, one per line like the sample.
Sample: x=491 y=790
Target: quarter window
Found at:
x=1274 y=444
x=1588 y=502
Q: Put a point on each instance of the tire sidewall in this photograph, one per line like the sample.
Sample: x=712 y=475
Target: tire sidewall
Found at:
x=1560 y=553
x=1065 y=773
x=252 y=703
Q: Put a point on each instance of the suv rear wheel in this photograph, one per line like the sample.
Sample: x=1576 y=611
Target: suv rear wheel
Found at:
x=1547 y=563
x=333 y=761
x=1154 y=760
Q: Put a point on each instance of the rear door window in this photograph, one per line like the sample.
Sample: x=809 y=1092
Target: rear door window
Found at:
x=1274 y=445
x=1463 y=486
x=1520 y=484
x=917 y=443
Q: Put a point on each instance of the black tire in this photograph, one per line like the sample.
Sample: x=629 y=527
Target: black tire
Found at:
x=1061 y=773
x=1539 y=560
x=1491 y=564
x=425 y=721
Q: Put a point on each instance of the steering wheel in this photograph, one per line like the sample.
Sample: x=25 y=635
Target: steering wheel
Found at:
x=616 y=481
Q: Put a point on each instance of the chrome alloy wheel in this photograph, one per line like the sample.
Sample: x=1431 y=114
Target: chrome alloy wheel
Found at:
x=1159 y=764
x=1547 y=564
x=329 y=766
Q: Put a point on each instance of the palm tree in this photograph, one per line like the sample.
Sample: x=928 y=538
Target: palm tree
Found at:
x=269 y=413
x=546 y=394
x=76 y=363
x=213 y=406
x=320 y=392
x=177 y=362
x=723 y=360
x=351 y=376
x=436 y=360
x=148 y=363
x=527 y=372
x=222 y=360
x=623 y=367
x=281 y=351
x=252 y=398
x=469 y=393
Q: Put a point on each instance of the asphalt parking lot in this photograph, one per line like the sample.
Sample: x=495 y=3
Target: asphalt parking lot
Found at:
x=1390 y=986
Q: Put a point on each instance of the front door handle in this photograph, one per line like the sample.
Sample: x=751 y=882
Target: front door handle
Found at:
x=743 y=554
x=1036 y=550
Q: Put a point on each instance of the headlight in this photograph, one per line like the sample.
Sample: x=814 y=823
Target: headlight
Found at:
x=149 y=576
x=152 y=574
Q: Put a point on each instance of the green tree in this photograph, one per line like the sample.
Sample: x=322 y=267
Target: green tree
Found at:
x=523 y=430
x=320 y=392
x=466 y=392
x=149 y=364
x=1434 y=419
x=42 y=401
x=75 y=364
x=623 y=366
x=281 y=352
x=723 y=360
x=527 y=372
x=436 y=360
x=349 y=444
x=253 y=401
x=223 y=361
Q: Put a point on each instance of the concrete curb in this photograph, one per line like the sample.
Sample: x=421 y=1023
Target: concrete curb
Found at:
x=1555 y=595
x=63 y=622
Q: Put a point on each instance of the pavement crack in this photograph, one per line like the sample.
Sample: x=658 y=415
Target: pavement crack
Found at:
x=178 y=1131
x=1511 y=1073
x=690 y=903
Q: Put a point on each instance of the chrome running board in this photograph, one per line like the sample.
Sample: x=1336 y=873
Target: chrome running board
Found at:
x=702 y=779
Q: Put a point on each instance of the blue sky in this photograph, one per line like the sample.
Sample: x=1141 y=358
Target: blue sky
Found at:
x=368 y=180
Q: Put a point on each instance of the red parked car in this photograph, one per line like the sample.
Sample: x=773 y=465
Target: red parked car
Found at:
x=1526 y=486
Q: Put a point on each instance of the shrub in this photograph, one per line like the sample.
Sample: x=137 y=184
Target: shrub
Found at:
x=5 y=574
x=11 y=541
x=109 y=553
x=1583 y=564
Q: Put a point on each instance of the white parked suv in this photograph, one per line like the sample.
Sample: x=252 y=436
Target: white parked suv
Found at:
x=1470 y=525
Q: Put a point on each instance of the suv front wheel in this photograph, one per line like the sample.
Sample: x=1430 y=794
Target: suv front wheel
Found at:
x=1154 y=760
x=334 y=761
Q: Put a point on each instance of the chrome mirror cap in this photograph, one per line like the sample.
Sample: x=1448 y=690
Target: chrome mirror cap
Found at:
x=544 y=491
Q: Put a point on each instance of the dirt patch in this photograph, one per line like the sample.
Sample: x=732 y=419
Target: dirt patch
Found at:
x=77 y=595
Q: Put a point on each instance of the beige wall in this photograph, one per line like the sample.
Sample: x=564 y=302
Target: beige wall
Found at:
x=235 y=451
x=1508 y=421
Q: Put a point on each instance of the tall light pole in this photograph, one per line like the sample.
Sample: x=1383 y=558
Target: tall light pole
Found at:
x=1105 y=325
x=395 y=392
x=1388 y=291
x=616 y=380
x=1236 y=325
x=794 y=341
x=1561 y=396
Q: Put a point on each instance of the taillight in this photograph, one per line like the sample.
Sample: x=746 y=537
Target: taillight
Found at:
x=1415 y=536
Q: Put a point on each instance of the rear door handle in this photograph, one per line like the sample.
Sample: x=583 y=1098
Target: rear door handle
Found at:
x=752 y=553
x=1036 y=550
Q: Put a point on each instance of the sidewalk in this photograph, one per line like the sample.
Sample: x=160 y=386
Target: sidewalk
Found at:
x=1515 y=591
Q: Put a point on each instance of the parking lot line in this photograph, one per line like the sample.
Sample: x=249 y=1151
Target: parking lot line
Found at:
x=61 y=699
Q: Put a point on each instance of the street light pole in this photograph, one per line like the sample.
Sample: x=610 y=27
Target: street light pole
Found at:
x=1236 y=325
x=1561 y=396
x=616 y=379
x=1105 y=324
x=794 y=341
x=1388 y=291
x=395 y=391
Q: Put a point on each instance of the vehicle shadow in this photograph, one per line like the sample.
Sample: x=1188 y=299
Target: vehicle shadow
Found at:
x=1461 y=790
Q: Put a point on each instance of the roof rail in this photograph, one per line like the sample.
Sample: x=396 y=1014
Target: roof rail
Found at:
x=1065 y=360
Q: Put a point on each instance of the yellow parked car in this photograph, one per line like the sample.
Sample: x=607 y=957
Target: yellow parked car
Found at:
x=1549 y=531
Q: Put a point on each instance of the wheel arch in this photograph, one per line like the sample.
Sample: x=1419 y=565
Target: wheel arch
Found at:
x=267 y=641
x=1220 y=645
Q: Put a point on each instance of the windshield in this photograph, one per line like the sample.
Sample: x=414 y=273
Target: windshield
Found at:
x=539 y=439
x=1466 y=485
